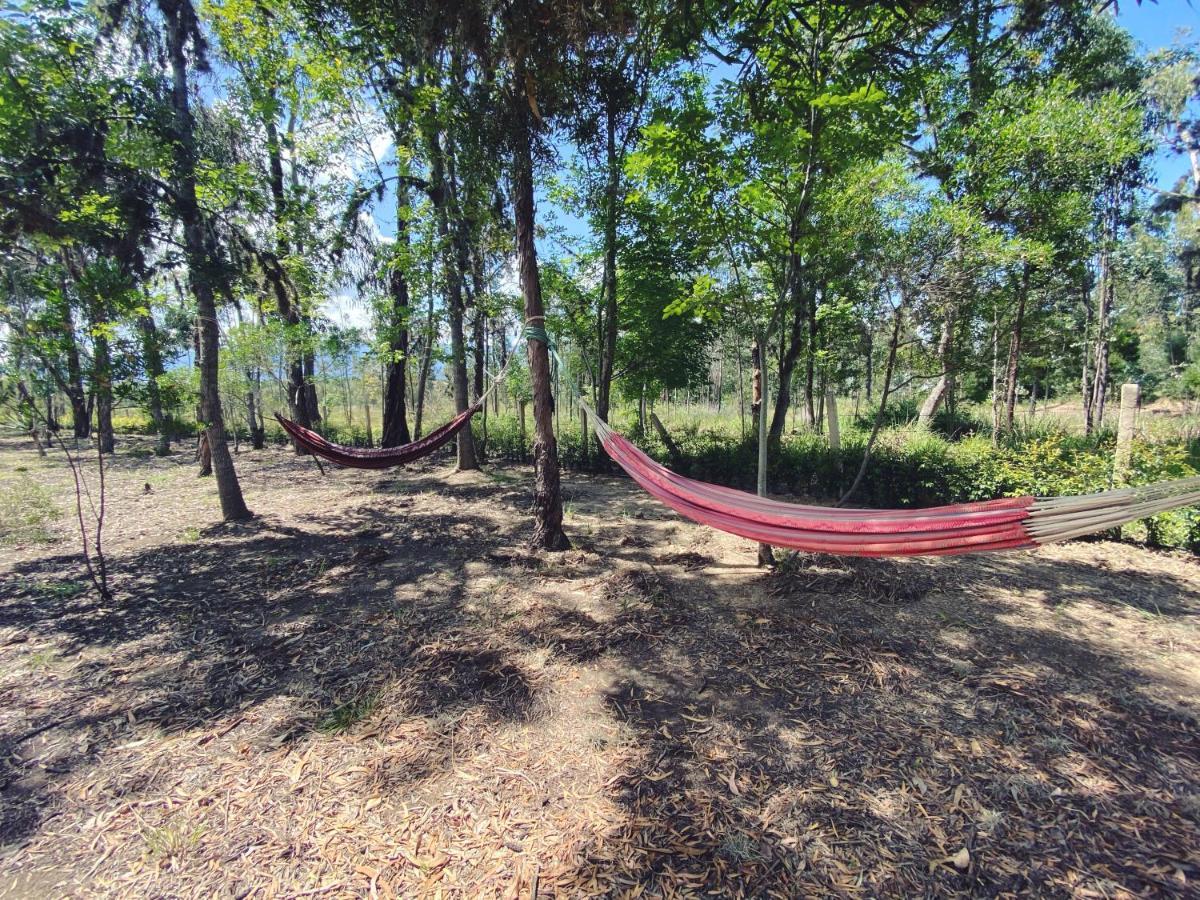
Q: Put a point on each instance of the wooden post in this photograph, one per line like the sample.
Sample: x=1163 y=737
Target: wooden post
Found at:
x=1131 y=399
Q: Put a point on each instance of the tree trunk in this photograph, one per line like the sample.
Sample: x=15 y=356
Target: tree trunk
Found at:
x=102 y=375
x=1014 y=350
x=766 y=556
x=608 y=336
x=423 y=377
x=756 y=380
x=1103 y=314
x=286 y=303
x=81 y=419
x=548 y=532
x=897 y=320
x=665 y=437
x=869 y=360
x=787 y=365
x=200 y=265
x=256 y=434
x=1085 y=380
x=152 y=360
x=810 y=408
x=395 y=414
x=945 y=382
x=741 y=392
x=478 y=349
x=204 y=456
x=453 y=266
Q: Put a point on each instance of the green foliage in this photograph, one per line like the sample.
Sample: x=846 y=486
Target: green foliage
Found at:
x=26 y=511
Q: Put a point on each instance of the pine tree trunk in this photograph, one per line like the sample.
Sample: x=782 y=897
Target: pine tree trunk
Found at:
x=548 y=532
x=233 y=506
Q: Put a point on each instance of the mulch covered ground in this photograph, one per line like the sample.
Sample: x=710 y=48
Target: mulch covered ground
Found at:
x=375 y=690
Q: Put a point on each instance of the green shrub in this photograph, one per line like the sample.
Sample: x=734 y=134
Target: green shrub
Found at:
x=26 y=511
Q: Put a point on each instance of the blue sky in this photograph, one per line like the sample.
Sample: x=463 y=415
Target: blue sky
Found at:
x=1154 y=26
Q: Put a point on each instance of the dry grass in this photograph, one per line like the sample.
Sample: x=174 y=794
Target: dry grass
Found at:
x=376 y=690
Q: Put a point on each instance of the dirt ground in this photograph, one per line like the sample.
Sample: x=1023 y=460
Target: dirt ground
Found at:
x=375 y=690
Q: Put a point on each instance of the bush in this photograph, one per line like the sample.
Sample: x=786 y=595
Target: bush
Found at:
x=26 y=511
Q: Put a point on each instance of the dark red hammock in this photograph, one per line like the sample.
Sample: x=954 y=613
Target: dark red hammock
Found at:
x=382 y=458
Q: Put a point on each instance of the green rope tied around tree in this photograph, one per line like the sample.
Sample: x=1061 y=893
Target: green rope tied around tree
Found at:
x=539 y=333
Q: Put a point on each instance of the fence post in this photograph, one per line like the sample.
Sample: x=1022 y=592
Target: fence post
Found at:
x=1131 y=399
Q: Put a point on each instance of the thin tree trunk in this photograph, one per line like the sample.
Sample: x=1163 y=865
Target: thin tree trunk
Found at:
x=453 y=265
x=548 y=532
x=80 y=414
x=152 y=360
x=1014 y=350
x=200 y=266
x=945 y=381
x=395 y=416
x=883 y=400
x=608 y=342
x=787 y=365
x=869 y=360
x=756 y=379
x=741 y=388
x=285 y=302
x=478 y=349
x=810 y=409
x=766 y=556
x=1085 y=381
x=426 y=361
x=1103 y=314
x=665 y=437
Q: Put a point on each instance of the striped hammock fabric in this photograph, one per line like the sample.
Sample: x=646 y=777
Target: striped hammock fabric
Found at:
x=1013 y=523
x=381 y=458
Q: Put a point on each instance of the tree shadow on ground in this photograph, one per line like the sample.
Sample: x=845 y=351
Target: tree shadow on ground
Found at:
x=801 y=747
x=801 y=735
x=203 y=632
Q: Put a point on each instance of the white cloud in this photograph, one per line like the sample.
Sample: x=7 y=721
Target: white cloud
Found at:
x=347 y=311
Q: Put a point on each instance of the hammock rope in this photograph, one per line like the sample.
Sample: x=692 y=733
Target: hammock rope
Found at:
x=1010 y=523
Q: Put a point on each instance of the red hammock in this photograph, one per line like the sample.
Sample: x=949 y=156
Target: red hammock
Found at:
x=382 y=458
x=1007 y=524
